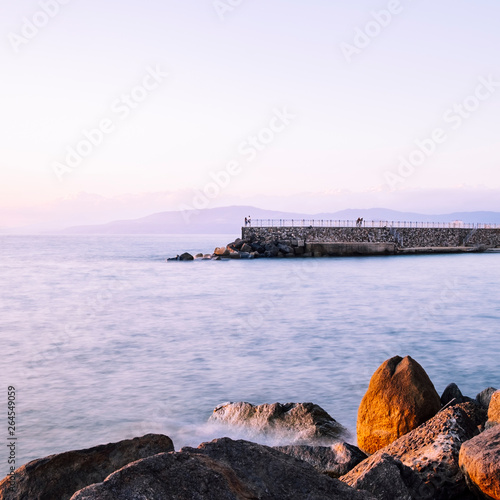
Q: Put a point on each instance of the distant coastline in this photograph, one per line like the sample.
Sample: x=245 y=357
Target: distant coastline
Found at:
x=229 y=220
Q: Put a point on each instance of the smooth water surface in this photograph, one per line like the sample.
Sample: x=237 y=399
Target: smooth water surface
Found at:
x=104 y=340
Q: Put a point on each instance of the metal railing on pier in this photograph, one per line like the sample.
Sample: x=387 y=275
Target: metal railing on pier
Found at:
x=368 y=223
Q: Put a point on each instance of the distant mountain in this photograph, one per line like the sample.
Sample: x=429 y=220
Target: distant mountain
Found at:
x=393 y=215
x=229 y=220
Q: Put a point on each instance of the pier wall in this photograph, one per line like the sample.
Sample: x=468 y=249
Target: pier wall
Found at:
x=397 y=239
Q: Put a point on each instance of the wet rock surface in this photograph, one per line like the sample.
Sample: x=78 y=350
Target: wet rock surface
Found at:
x=297 y=423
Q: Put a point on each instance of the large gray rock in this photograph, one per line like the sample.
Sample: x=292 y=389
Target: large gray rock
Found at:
x=432 y=450
x=484 y=397
x=387 y=478
x=271 y=250
x=335 y=460
x=452 y=394
x=57 y=477
x=284 y=248
x=186 y=256
x=220 y=470
x=246 y=248
x=480 y=462
x=294 y=423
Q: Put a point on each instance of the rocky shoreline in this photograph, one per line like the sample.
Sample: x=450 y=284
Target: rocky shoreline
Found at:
x=413 y=445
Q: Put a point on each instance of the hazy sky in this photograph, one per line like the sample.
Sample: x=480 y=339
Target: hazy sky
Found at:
x=297 y=105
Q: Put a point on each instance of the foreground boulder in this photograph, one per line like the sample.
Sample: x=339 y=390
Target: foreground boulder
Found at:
x=432 y=451
x=399 y=398
x=494 y=410
x=387 y=478
x=480 y=463
x=220 y=470
x=59 y=476
x=303 y=423
x=335 y=460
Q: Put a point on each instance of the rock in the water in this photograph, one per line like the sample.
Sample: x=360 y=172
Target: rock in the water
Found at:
x=246 y=248
x=284 y=249
x=271 y=250
x=494 y=410
x=257 y=247
x=58 y=477
x=432 y=449
x=186 y=256
x=335 y=460
x=222 y=251
x=480 y=463
x=452 y=394
x=484 y=397
x=293 y=423
x=387 y=478
x=221 y=470
x=399 y=398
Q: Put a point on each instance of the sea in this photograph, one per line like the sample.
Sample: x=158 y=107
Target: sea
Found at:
x=104 y=340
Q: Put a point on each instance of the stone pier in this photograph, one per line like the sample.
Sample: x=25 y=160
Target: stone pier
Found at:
x=322 y=241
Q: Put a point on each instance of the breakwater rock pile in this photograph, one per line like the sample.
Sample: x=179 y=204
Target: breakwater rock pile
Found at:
x=259 y=242
x=413 y=445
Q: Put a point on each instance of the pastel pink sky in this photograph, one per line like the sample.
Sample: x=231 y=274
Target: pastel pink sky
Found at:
x=294 y=101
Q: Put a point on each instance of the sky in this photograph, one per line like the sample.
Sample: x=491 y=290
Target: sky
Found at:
x=118 y=109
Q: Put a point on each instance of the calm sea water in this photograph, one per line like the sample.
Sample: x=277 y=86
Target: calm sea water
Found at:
x=104 y=340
